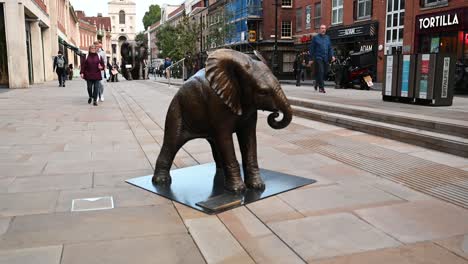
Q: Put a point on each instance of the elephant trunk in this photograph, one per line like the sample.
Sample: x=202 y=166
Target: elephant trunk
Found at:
x=284 y=107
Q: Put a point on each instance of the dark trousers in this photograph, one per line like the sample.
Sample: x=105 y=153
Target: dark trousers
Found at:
x=93 y=88
x=61 y=76
x=321 y=68
x=299 y=75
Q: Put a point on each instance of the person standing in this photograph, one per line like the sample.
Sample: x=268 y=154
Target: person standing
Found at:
x=91 y=69
x=102 y=54
x=299 y=65
x=70 y=72
x=60 y=64
x=167 y=64
x=321 y=53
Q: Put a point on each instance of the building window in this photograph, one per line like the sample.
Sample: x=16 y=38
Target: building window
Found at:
x=286 y=3
x=308 y=16
x=395 y=25
x=429 y=3
x=299 y=19
x=288 y=62
x=337 y=12
x=364 y=9
x=318 y=15
x=286 y=31
x=122 y=17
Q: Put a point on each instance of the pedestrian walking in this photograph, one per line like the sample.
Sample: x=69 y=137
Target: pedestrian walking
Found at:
x=114 y=73
x=321 y=53
x=70 y=72
x=101 y=53
x=299 y=65
x=60 y=62
x=91 y=69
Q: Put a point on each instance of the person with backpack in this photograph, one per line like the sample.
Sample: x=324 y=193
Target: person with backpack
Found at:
x=91 y=68
x=60 y=63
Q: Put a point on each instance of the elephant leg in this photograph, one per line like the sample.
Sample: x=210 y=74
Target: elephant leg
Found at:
x=233 y=180
x=248 y=145
x=173 y=140
x=216 y=155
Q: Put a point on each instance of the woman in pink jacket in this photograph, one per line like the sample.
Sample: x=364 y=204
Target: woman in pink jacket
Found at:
x=91 y=71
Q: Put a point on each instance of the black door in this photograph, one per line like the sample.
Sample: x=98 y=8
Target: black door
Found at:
x=29 y=51
x=3 y=50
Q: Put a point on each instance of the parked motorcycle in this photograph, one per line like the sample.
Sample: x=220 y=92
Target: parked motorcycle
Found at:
x=461 y=77
x=354 y=70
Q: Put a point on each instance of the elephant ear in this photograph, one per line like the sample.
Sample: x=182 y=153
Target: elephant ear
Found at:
x=224 y=70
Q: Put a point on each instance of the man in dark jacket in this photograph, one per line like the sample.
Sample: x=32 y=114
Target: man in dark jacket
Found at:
x=321 y=53
x=60 y=64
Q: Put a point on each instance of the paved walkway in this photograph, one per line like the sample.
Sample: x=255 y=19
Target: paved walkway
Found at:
x=372 y=99
x=55 y=148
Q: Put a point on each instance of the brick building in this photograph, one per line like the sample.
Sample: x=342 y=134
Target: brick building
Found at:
x=102 y=31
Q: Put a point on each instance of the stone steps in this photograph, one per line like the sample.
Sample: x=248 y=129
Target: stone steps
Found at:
x=439 y=125
x=429 y=139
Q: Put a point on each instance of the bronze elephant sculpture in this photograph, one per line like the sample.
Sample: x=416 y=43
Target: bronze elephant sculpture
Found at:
x=134 y=56
x=216 y=102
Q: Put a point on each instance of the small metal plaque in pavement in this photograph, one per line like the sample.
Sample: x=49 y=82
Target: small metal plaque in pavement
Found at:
x=92 y=204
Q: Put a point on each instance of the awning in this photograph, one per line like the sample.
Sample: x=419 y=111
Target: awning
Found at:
x=69 y=46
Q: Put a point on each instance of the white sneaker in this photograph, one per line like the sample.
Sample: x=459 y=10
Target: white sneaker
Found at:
x=101 y=98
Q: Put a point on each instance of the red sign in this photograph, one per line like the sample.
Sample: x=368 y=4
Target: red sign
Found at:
x=305 y=38
x=425 y=66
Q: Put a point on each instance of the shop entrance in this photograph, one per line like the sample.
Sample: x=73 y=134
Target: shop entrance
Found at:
x=3 y=51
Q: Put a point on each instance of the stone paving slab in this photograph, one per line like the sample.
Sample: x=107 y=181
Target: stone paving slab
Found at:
x=216 y=242
x=122 y=197
x=259 y=241
x=4 y=223
x=418 y=221
x=457 y=244
x=331 y=235
x=147 y=250
x=335 y=198
x=38 y=255
x=421 y=253
x=59 y=228
x=15 y=204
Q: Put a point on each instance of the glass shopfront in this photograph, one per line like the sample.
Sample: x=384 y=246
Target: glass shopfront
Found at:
x=446 y=32
x=356 y=38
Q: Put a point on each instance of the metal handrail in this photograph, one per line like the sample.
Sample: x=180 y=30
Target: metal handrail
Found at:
x=170 y=68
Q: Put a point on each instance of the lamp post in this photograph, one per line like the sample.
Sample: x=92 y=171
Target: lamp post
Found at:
x=275 y=51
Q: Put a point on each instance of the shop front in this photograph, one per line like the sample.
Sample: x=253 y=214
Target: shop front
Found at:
x=356 y=38
x=445 y=33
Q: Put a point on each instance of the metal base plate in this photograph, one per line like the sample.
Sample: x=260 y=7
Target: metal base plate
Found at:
x=202 y=185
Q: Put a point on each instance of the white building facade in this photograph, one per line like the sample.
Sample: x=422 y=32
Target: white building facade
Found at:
x=123 y=20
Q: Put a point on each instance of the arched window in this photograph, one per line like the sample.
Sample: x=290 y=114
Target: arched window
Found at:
x=122 y=17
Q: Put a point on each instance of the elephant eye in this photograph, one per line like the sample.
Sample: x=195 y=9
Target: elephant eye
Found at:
x=263 y=92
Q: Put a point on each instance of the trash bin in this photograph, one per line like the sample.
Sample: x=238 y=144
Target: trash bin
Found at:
x=435 y=79
x=406 y=72
x=389 y=91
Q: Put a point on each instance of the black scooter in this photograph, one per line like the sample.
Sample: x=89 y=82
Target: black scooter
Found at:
x=348 y=75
